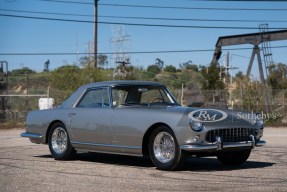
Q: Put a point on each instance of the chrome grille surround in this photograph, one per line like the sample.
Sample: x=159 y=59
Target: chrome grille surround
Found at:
x=231 y=134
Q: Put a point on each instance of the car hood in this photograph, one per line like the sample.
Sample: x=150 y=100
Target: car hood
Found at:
x=214 y=117
x=209 y=117
x=224 y=118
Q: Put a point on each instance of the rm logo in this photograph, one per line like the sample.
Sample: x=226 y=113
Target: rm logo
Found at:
x=207 y=115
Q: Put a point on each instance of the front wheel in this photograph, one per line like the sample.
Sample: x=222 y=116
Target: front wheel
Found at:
x=59 y=143
x=164 y=149
x=234 y=157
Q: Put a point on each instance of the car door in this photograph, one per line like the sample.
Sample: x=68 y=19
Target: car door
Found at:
x=90 y=119
x=126 y=133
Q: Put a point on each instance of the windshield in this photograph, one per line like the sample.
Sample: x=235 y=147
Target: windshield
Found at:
x=142 y=95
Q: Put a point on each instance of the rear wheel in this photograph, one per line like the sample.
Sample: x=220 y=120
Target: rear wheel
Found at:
x=59 y=143
x=164 y=150
x=234 y=157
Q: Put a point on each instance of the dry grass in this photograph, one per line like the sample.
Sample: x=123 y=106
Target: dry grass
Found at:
x=12 y=125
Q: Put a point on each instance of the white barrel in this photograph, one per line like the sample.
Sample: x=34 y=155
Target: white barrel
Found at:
x=46 y=103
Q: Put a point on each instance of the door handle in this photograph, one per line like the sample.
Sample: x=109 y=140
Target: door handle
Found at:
x=71 y=114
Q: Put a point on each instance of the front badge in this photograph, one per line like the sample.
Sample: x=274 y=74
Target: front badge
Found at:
x=207 y=115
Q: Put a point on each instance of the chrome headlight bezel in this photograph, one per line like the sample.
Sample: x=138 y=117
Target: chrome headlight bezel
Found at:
x=259 y=121
x=196 y=126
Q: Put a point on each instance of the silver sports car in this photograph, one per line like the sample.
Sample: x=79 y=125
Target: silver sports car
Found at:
x=142 y=118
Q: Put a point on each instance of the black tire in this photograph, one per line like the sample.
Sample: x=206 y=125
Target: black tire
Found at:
x=61 y=148
x=234 y=158
x=176 y=160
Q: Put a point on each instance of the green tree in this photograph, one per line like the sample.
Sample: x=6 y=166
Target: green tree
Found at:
x=22 y=71
x=66 y=78
x=170 y=68
x=102 y=60
x=212 y=79
x=87 y=61
x=278 y=76
x=239 y=75
x=153 y=69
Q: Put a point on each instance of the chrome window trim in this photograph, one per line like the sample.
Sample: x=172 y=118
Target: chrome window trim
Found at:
x=93 y=88
x=165 y=89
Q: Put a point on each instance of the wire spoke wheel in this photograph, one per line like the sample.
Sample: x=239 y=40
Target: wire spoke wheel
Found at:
x=164 y=150
x=164 y=147
x=59 y=140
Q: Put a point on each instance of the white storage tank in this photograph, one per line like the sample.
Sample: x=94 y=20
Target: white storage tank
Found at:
x=46 y=103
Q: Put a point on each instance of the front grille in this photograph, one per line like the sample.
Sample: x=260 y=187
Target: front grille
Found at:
x=231 y=134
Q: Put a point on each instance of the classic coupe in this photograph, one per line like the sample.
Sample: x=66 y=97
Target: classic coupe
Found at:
x=141 y=118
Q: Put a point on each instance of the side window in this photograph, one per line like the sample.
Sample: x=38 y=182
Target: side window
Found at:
x=119 y=96
x=154 y=94
x=150 y=94
x=95 y=98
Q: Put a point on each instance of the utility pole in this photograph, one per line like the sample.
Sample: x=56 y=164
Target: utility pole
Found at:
x=229 y=77
x=96 y=34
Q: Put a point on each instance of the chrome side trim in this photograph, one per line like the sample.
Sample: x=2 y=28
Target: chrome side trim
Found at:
x=108 y=152
x=106 y=145
x=32 y=135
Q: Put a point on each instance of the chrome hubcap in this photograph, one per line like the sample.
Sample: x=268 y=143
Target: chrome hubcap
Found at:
x=59 y=140
x=164 y=147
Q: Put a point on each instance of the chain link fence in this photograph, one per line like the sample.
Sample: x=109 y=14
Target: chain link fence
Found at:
x=15 y=105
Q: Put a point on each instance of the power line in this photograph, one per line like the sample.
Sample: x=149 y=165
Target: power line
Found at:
x=193 y=19
x=46 y=13
x=169 y=7
x=69 y=2
x=242 y=0
x=134 y=52
x=138 y=24
x=193 y=8
x=144 y=18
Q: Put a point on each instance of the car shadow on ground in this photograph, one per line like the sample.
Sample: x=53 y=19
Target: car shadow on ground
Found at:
x=191 y=164
x=212 y=164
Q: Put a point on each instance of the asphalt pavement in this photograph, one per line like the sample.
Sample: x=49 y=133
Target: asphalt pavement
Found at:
x=30 y=167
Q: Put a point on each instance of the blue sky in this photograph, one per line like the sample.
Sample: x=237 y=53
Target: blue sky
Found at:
x=20 y=35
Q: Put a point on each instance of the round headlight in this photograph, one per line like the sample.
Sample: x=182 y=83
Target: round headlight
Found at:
x=196 y=125
x=259 y=122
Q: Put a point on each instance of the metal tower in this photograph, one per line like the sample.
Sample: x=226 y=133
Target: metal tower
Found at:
x=121 y=49
x=266 y=48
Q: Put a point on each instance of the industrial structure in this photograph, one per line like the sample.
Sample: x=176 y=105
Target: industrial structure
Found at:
x=121 y=45
x=263 y=38
x=255 y=39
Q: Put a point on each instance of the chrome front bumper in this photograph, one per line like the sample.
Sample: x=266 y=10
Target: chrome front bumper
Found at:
x=219 y=145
